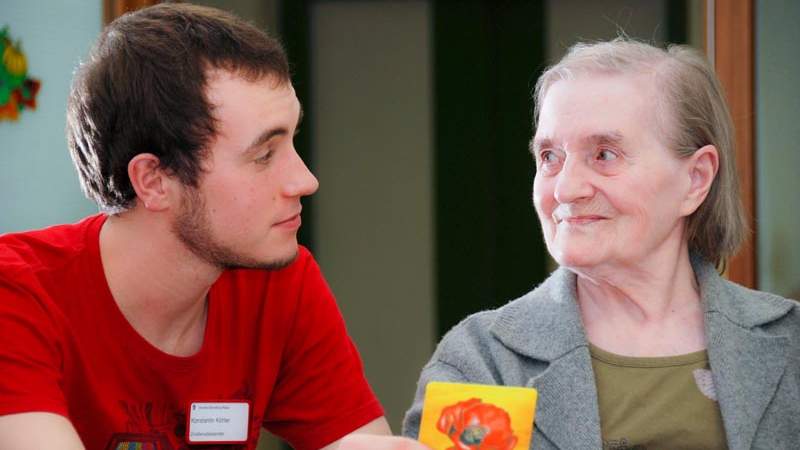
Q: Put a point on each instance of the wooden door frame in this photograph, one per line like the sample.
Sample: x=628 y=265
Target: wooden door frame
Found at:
x=730 y=41
x=115 y=8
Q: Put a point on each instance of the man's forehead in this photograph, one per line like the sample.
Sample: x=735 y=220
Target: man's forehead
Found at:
x=220 y=82
x=237 y=99
x=213 y=74
x=246 y=111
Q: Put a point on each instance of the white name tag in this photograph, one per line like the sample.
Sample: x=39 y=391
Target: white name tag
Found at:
x=218 y=422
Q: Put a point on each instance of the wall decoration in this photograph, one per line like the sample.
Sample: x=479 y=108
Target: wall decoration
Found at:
x=17 y=91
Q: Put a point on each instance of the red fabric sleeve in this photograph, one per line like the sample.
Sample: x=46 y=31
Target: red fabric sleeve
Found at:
x=30 y=357
x=321 y=392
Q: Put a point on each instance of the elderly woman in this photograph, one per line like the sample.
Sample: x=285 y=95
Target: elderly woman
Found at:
x=636 y=341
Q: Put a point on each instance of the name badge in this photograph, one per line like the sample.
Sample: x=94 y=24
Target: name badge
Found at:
x=218 y=422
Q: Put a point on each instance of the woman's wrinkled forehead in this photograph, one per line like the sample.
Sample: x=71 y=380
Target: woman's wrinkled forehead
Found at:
x=602 y=104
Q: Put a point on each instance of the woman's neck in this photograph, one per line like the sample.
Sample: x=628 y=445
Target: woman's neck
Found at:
x=650 y=308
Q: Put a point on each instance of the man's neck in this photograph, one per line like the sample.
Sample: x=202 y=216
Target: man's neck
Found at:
x=158 y=284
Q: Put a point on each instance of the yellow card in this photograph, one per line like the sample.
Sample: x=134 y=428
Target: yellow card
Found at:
x=459 y=416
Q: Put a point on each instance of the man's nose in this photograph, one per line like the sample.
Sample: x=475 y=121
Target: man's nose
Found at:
x=301 y=181
x=573 y=182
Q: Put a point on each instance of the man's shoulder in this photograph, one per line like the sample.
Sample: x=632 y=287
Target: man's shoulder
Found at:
x=41 y=271
x=46 y=249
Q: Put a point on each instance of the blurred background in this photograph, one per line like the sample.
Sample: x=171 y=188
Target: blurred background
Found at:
x=418 y=115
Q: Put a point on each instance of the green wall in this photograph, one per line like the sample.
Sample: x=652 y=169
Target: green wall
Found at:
x=778 y=146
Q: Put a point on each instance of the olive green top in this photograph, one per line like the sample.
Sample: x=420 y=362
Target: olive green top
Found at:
x=657 y=403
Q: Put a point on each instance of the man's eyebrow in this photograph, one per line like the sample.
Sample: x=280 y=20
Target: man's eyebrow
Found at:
x=266 y=135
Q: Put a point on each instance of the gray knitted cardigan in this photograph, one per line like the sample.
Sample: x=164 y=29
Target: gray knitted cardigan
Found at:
x=538 y=341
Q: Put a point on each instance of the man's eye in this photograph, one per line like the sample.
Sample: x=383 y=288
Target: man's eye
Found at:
x=606 y=155
x=263 y=159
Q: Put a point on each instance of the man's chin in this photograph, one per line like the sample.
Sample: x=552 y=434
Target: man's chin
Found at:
x=273 y=263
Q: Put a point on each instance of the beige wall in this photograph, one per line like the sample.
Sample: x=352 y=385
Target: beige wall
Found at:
x=263 y=13
x=570 y=21
x=373 y=213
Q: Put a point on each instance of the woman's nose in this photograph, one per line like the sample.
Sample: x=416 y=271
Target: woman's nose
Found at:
x=573 y=182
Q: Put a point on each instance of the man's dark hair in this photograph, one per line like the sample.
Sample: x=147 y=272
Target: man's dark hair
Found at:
x=142 y=90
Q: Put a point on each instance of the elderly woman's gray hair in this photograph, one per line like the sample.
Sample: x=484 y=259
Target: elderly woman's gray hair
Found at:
x=691 y=112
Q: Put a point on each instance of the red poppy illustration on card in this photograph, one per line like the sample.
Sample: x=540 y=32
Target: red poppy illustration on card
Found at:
x=459 y=416
x=473 y=425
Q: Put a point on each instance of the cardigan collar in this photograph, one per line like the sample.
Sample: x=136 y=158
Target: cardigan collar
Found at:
x=746 y=366
x=527 y=325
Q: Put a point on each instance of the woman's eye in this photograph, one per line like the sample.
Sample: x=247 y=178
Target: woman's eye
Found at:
x=548 y=162
x=548 y=156
x=606 y=155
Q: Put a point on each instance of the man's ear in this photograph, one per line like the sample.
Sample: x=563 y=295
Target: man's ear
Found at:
x=702 y=168
x=153 y=187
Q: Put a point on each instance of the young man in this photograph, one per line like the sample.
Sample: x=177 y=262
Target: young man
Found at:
x=186 y=313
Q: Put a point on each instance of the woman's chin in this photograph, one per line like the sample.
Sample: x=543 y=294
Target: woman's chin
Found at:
x=576 y=258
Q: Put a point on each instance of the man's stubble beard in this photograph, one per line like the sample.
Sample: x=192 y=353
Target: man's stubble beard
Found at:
x=193 y=229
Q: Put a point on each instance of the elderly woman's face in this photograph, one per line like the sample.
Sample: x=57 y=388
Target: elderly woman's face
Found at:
x=607 y=190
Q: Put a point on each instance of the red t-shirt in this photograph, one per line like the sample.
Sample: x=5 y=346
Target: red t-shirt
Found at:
x=273 y=338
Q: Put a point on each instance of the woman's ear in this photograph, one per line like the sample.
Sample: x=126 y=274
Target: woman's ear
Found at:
x=702 y=169
x=150 y=182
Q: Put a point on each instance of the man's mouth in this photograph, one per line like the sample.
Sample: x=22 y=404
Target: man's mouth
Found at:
x=293 y=221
